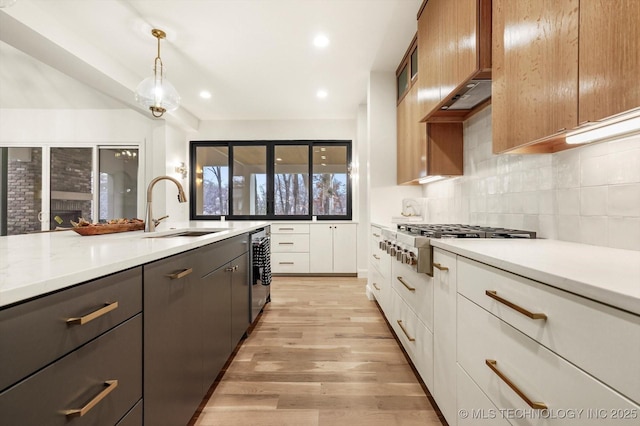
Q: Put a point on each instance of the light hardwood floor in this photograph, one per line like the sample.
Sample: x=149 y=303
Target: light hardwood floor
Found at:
x=321 y=354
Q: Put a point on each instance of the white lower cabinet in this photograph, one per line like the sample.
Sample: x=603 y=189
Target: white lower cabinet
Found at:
x=444 y=333
x=332 y=248
x=290 y=248
x=526 y=381
x=415 y=337
x=416 y=289
x=379 y=270
x=474 y=408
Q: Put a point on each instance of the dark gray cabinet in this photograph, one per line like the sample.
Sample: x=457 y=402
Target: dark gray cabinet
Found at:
x=76 y=351
x=196 y=308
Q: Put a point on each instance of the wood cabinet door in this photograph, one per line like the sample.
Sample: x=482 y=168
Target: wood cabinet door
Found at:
x=412 y=146
x=535 y=70
x=458 y=32
x=429 y=92
x=609 y=58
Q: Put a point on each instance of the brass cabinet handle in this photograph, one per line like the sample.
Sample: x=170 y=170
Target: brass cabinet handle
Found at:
x=285 y=263
x=110 y=385
x=491 y=363
x=180 y=274
x=229 y=269
x=285 y=229
x=376 y=287
x=286 y=243
x=108 y=307
x=439 y=266
x=375 y=256
x=405 y=284
x=376 y=235
x=533 y=315
x=404 y=330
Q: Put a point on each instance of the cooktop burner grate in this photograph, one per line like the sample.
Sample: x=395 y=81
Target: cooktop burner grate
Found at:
x=463 y=231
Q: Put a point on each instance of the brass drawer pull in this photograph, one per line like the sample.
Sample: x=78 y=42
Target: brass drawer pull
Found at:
x=110 y=385
x=404 y=330
x=375 y=256
x=405 y=284
x=376 y=287
x=439 y=266
x=108 y=307
x=286 y=243
x=180 y=274
x=491 y=363
x=533 y=315
x=231 y=268
x=376 y=235
x=285 y=229
x=285 y=263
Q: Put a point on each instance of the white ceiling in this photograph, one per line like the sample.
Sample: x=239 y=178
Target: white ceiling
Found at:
x=256 y=57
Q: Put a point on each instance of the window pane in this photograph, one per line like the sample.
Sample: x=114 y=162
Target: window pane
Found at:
x=23 y=190
x=250 y=180
x=403 y=82
x=71 y=186
x=414 y=63
x=330 y=174
x=118 y=183
x=291 y=180
x=212 y=181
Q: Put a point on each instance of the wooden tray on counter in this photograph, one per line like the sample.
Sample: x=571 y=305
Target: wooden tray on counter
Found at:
x=101 y=229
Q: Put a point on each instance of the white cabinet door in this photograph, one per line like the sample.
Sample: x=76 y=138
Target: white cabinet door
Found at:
x=444 y=333
x=344 y=248
x=332 y=248
x=321 y=248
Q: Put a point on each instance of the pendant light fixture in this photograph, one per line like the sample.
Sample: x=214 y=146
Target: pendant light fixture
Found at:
x=155 y=92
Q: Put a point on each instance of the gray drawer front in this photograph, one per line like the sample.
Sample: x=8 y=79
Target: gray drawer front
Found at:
x=133 y=417
x=75 y=380
x=35 y=333
x=213 y=256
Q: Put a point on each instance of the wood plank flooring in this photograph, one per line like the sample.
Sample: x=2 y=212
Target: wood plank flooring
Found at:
x=321 y=354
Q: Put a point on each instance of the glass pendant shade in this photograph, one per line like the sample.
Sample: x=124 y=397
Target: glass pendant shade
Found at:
x=158 y=95
x=155 y=92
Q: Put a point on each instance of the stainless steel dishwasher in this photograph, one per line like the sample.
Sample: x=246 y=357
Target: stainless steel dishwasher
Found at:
x=260 y=270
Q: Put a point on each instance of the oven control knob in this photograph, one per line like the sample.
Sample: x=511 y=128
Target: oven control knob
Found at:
x=381 y=245
x=412 y=259
x=401 y=255
x=392 y=251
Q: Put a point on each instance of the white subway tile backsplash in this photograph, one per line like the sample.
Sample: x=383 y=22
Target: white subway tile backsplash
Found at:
x=593 y=200
x=588 y=194
x=624 y=200
x=624 y=233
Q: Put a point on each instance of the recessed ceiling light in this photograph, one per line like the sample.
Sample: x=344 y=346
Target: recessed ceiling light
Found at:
x=324 y=164
x=321 y=41
x=205 y=94
x=322 y=94
x=324 y=157
x=278 y=159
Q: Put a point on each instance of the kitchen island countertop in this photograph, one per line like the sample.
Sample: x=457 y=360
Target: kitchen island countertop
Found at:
x=32 y=265
x=607 y=275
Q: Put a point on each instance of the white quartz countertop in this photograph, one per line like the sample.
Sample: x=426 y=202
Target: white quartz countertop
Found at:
x=606 y=275
x=35 y=264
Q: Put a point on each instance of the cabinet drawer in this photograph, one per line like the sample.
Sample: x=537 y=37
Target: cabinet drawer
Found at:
x=290 y=263
x=213 y=256
x=416 y=339
x=478 y=409
x=80 y=378
x=416 y=289
x=35 y=333
x=541 y=375
x=289 y=228
x=294 y=243
x=584 y=332
x=133 y=417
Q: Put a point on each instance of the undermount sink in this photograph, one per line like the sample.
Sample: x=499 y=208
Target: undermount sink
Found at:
x=188 y=233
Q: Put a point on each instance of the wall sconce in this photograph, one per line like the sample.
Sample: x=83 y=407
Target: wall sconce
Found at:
x=182 y=170
x=199 y=176
x=155 y=92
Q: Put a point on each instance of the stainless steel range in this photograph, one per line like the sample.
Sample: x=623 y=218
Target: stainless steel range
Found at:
x=410 y=242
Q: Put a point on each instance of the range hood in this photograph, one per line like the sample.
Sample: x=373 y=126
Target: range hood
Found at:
x=474 y=93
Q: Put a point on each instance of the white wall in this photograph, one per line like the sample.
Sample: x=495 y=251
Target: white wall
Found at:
x=589 y=194
x=385 y=197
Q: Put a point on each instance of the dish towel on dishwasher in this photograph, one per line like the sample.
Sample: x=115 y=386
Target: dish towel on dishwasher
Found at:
x=262 y=261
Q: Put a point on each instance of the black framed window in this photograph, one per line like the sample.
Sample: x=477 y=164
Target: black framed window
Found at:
x=270 y=180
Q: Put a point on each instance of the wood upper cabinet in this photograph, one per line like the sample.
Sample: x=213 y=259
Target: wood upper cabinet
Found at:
x=412 y=145
x=454 y=42
x=609 y=58
x=535 y=70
